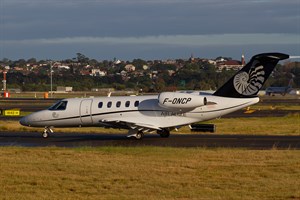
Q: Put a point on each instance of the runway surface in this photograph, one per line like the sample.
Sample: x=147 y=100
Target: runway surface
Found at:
x=28 y=139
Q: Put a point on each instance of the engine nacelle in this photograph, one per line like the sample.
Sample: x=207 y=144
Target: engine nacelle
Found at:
x=175 y=100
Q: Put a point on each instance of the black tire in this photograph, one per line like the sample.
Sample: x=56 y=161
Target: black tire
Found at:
x=139 y=135
x=45 y=134
x=164 y=133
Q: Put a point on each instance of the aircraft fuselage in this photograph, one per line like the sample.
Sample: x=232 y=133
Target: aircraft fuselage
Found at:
x=138 y=109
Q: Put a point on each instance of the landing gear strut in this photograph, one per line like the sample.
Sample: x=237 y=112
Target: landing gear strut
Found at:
x=164 y=133
x=46 y=132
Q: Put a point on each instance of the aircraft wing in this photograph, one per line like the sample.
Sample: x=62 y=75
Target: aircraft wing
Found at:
x=121 y=123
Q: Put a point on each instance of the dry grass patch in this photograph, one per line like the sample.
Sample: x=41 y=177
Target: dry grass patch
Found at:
x=289 y=125
x=148 y=173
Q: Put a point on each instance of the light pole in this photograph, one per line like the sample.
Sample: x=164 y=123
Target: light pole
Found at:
x=4 y=81
x=51 y=81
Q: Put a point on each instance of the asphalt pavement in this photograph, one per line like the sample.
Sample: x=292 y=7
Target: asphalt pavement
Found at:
x=33 y=139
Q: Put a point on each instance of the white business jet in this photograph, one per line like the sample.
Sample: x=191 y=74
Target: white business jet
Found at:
x=159 y=113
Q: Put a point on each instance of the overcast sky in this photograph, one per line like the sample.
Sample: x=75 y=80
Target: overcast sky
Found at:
x=147 y=29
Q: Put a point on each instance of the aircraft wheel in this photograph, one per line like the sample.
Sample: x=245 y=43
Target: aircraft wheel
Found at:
x=139 y=135
x=164 y=133
x=45 y=134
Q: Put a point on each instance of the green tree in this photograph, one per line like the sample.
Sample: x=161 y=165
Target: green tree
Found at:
x=82 y=58
x=139 y=63
x=160 y=84
x=32 y=61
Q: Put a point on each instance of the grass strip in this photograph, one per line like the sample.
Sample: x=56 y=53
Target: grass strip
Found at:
x=148 y=173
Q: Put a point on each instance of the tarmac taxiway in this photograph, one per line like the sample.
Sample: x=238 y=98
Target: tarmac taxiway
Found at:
x=34 y=139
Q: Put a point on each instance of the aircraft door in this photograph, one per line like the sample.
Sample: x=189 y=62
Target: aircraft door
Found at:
x=86 y=112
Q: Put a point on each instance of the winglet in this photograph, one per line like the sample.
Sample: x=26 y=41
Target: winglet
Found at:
x=250 y=79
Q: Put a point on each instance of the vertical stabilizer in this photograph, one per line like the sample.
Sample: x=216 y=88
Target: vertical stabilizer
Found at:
x=250 y=79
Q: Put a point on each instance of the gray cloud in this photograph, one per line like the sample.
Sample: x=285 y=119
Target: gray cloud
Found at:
x=180 y=40
x=165 y=22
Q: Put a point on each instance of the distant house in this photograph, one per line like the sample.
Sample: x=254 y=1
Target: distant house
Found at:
x=212 y=62
x=123 y=73
x=116 y=62
x=18 y=69
x=64 y=89
x=63 y=67
x=145 y=67
x=87 y=67
x=169 y=62
x=129 y=68
x=171 y=72
x=229 y=64
x=153 y=74
x=85 y=72
x=98 y=72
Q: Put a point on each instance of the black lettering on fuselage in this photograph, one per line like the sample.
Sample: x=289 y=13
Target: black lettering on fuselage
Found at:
x=165 y=100
x=168 y=114
x=177 y=100
x=181 y=100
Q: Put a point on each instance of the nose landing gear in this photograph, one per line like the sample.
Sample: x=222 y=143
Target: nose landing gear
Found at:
x=46 y=132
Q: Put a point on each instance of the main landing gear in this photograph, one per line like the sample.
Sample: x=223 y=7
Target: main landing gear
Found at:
x=164 y=133
x=135 y=134
x=46 y=132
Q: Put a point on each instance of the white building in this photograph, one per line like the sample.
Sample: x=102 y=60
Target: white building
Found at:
x=130 y=68
x=64 y=89
x=98 y=72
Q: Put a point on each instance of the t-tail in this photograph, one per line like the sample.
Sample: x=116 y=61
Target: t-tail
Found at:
x=250 y=79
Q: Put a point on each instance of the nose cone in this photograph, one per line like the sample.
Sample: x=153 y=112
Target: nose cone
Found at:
x=24 y=121
x=34 y=119
x=28 y=120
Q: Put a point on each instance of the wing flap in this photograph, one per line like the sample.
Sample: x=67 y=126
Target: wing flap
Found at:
x=130 y=124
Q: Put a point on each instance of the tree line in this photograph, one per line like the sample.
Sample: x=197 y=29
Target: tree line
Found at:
x=190 y=76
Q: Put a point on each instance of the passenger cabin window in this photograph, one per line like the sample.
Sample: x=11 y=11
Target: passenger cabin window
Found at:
x=100 y=104
x=127 y=104
x=109 y=104
x=118 y=104
x=61 y=105
x=136 y=103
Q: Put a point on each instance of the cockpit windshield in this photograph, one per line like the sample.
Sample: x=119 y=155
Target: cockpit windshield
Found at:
x=61 y=105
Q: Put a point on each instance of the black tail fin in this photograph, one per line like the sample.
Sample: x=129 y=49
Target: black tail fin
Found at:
x=250 y=79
